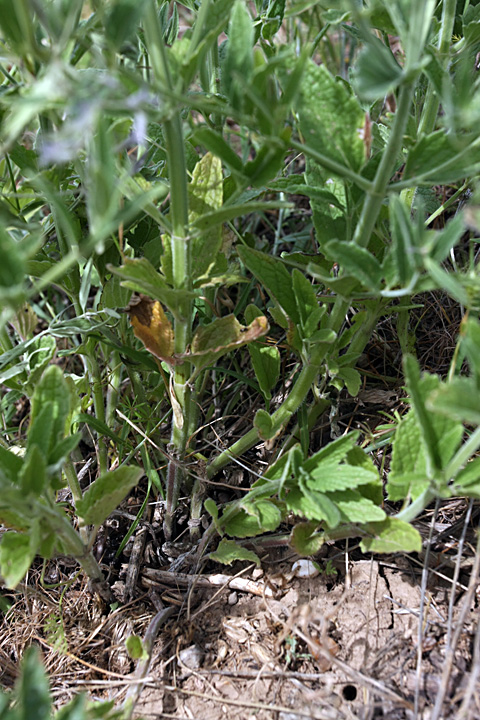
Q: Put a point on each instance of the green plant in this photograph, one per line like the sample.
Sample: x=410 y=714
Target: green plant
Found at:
x=31 y=698
x=130 y=158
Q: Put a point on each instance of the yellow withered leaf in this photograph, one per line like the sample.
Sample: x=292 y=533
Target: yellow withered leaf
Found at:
x=152 y=327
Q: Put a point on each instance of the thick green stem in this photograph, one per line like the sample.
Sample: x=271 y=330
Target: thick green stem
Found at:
x=376 y=195
x=181 y=271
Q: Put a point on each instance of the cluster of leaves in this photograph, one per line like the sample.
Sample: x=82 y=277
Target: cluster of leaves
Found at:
x=31 y=698
x=131 y=156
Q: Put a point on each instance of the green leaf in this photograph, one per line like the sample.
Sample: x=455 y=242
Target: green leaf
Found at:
x=357 y=261
x=447 y=238
x=205 y=193
x=238 y=60
x=330 y=117
x=424 y=420
x=215 y=143
x=313 y=506
x=356 y=508
x=309 y=310
x=17 y=552
x=266 y=365
x=32 y=689
x=467 y=482
x=305 y=540
x=352 y=379
x=62 y=450
x=140 y=275
x=263 y=516
x=212 y=510
x=12 y=267
x=122 y=20
x=10 y=465
x=221 y=336
x=106 y=494
x=327 y=477
x=230 y=212
x=274 y=276
x=53 y=390
x=438 y=159
x=264 y=425
x=403 y=245
x=440 y=435
x=38 y=356
x=447 y=281
x=33 y=476
x=136 y=648
x=228 y=552
x=376 y=72
x=333 y=453
x=457 y=399
x=390 y=536
x=40 y=432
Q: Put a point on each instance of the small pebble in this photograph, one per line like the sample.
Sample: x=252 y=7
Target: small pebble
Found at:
x=257 y=573
x=304 y=569
x=233 y=598
x=191 y=657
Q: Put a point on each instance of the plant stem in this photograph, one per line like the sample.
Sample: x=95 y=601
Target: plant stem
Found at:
x=74 y=546
x=181 y=276
x=432 y=101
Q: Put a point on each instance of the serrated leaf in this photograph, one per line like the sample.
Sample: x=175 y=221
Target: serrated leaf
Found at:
x=313 y=506
x=356 y=508
x=332 y=453
x=305 y=540
x=264 y=516
x=228 y=552
x=392 y=535
x=458 y=399
x=106 y=493
x=327 y=477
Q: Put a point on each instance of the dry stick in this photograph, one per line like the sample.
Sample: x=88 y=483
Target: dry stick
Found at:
x=465 y=707
x=421 y=609
x=240 y=703
x=151 y=576
x=447 y=666
x=457 y=571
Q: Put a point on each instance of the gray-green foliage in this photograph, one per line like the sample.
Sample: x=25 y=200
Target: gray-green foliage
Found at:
x=131 y=158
